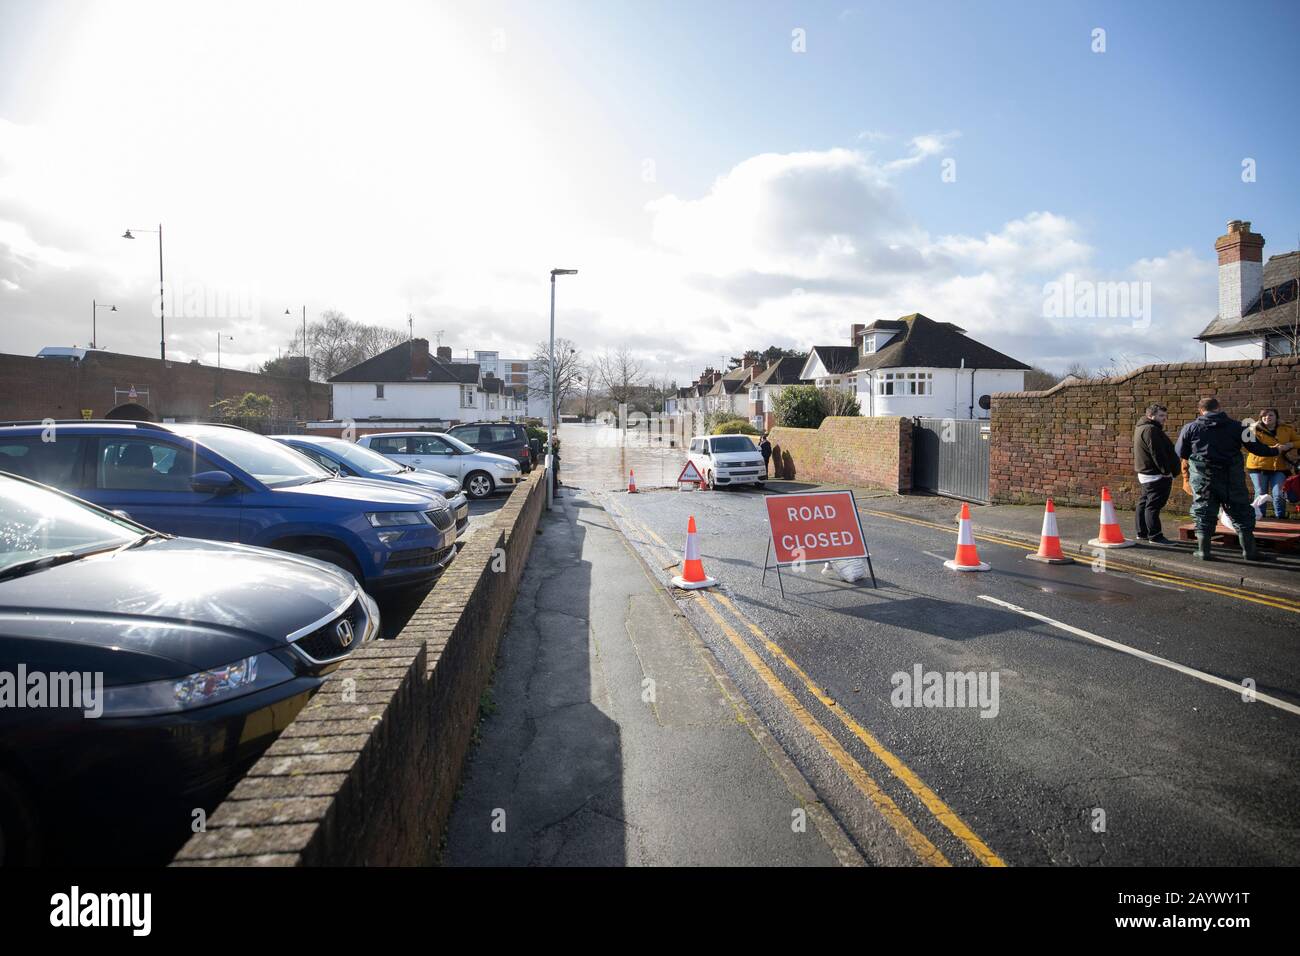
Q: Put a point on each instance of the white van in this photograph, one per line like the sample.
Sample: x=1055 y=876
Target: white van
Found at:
x=727 y=460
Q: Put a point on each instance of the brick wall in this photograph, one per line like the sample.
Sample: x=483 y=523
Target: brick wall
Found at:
x=869 y=452
x=32 y=388
x=1068 y=442
x=370 y=780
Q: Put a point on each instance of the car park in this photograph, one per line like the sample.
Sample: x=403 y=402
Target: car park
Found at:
x=187 y=657
x=229 y=484
x=351 y=460
x=480 y=473
x=725 y=460
x=500 y=438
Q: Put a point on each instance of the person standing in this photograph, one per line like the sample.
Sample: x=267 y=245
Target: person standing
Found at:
x=1156 y=462
x=1267 y=473
x=765 y=447
x=1212 y=445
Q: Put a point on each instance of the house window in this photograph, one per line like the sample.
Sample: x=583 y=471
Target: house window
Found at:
x=379 y=391
x=1279 y=345
x=853 y=383
x=905 y=383
x=467 y=396
x=868 y=344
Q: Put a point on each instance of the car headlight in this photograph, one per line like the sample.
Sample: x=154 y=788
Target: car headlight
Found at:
x=390 y=519
x=506 y=466
x=196 y=690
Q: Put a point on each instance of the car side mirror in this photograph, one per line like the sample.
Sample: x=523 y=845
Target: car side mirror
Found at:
x=213 y=482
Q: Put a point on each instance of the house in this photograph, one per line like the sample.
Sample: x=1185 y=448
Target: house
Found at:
x=1259 y=309
x=916 y=367
x=729 y=393
x=406 y=383
x=767 y=385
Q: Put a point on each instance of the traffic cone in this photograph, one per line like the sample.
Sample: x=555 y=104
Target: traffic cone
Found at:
x=631 y=481
x=1110 y=535
x=966 y=558
x=1049 y=546
x=692 y=575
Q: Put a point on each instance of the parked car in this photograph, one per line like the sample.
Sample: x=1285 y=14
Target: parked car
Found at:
x=201 y=652
x=351 y=460
x=727 y=460
x=500 y=438
x=480 y=473
x=228 y=484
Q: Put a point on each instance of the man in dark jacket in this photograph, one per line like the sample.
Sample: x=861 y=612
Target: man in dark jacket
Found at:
x=1212 y=445
x=1156 y=463
x=765 y=449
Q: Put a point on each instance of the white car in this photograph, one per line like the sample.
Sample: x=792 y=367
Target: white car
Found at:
x=480 y=473
x=725 y=460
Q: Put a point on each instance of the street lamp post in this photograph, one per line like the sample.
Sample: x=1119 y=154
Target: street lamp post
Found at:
x=555 y=427
x=162 y=292
x=94 y=315
x=221 y=336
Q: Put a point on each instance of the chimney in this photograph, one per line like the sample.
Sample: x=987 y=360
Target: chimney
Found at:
x=854 y=331
x=444 y=353
x=1241 y=269
x=419 y=358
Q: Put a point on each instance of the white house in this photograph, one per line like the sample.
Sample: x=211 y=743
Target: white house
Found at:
x=1259 y=310
x=405 y=383
x=916 y=367
x=767 y=384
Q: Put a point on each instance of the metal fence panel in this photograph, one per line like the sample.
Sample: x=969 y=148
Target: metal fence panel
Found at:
x=951 y=457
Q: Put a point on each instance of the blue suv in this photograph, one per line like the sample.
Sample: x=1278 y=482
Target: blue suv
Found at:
x=228 y=484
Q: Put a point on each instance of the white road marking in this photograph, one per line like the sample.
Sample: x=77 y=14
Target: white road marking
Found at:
x=941 y=557
x=1143 y=655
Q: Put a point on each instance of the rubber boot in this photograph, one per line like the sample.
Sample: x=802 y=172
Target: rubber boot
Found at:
x=1204 y=546
x=1250 y=550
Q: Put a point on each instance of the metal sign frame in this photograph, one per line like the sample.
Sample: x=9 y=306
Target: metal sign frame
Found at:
x=866 y=550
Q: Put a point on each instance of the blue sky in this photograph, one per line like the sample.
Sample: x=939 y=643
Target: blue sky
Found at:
x=717 y=189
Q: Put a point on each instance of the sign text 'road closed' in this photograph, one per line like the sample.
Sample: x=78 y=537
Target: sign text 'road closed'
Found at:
x=819 y=526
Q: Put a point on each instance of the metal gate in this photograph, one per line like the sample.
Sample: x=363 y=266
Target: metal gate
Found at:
x=950 y=456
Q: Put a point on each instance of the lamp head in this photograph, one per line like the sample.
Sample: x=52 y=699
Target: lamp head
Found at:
x=564 y=272
x=127 y=235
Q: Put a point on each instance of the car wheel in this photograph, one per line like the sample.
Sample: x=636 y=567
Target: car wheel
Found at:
x=20 y=841
x=478 y=484
x=336 y=558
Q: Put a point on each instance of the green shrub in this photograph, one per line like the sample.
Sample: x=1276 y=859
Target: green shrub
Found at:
x=736 y=426
x=798 y=406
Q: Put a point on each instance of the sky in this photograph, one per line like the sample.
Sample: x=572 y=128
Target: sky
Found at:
x=723 y=175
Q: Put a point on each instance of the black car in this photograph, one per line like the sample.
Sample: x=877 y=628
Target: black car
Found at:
x=500 y=438
x=141 y=674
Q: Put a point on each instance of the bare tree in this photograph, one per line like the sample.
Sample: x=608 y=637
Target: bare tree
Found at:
x=337 y=343
x=569 y=371
x=620 y=374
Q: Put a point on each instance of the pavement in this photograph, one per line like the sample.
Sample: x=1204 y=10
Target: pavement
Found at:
x=1139 y=718
x=611 y=736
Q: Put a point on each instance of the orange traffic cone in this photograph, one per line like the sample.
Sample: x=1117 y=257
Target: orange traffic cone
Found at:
x=1110 y=536
x=966 y=559
x=1049 y=546
x=692 y=575
x=631 y=481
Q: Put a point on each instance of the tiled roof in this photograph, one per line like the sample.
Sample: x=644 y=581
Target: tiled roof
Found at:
x=925 y=343
x=783 y=372
x=394 y=365
x=1276 y=308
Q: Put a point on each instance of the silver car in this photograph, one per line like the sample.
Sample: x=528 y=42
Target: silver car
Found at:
x=480 y=473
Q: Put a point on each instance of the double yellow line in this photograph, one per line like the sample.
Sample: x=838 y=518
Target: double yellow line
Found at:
x=1163 y=577
x=714 y=604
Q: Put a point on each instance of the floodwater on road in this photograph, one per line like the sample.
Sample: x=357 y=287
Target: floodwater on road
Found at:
x=597 y=457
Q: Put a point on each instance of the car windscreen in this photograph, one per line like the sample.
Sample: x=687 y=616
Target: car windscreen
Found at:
x=36 y=523
x=362 y=458
x=458 y=444
x=265 y=459
x=732 y=443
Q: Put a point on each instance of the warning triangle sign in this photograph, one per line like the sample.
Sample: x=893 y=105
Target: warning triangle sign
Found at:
x=690 y=474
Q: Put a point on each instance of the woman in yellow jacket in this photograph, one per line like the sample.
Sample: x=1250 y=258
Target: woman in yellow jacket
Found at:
x=1267 y=472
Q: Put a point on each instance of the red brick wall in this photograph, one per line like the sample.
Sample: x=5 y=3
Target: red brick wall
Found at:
x=1068 y=442
x=868 y=452
x=32 y=388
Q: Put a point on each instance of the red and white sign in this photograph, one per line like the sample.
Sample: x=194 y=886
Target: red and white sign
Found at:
x=818 y=526
x=690 y=475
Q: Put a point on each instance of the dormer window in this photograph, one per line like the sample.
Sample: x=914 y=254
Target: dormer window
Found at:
x=868 y=344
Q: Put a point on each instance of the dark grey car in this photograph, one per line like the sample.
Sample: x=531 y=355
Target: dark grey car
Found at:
x=198 y=654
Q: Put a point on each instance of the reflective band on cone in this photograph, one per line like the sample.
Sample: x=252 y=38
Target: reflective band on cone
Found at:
x=631 y=481
x=966 y=559
x=1110 y=535
x=1049 y=546
x=692 y=575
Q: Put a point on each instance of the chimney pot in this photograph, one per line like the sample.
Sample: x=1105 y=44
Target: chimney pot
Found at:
x=1241 y=269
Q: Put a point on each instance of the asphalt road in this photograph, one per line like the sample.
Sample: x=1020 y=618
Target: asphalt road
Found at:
x=1095 y=755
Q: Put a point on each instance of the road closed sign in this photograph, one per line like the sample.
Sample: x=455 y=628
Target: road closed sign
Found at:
x=819 y=526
